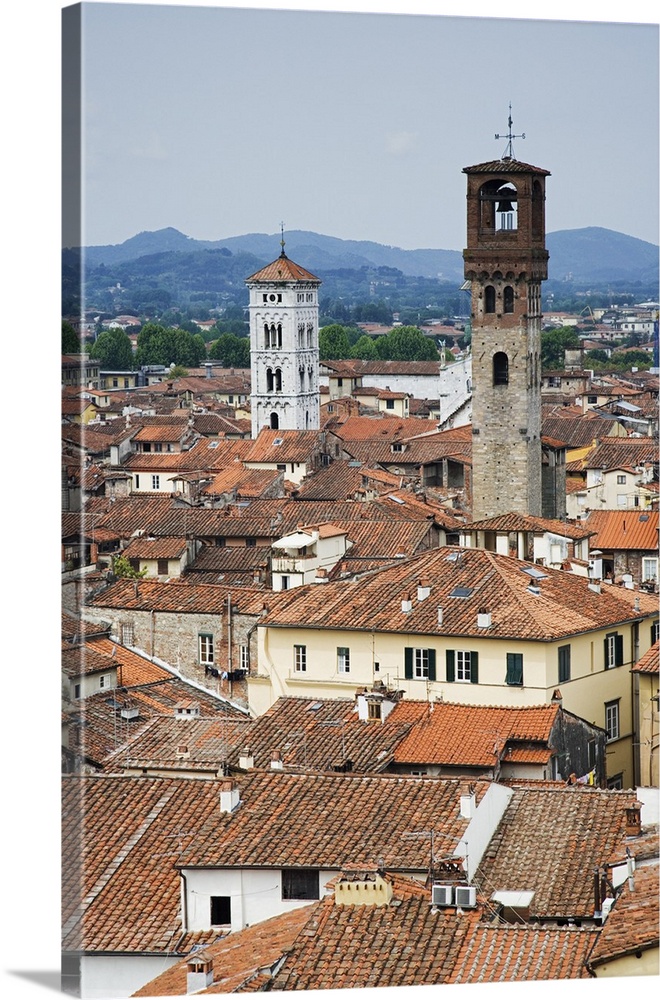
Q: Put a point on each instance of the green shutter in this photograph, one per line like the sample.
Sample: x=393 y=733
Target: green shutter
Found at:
x=474 y=667
x=618 y=654
x=514 y=668
x=605 y=662
x=408 y=663
x=431 y=653
x=451 y=658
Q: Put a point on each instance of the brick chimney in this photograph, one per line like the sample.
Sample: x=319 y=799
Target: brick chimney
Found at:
x=634 y=820
x=229 y=795
x=276 y=762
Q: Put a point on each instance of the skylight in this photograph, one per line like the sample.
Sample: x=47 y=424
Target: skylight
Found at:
x=278 y=441
x=534 y=572
x=462 y=592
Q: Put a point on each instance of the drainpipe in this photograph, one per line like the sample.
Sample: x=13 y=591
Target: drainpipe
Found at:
x=229 y=660
x=184 y=902
x=152 y=614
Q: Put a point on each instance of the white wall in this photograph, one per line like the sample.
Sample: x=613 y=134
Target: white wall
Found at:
x=104 y=977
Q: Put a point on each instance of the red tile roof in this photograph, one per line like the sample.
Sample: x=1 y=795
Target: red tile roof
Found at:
x=505 y=166
x=624 y=529
x=282 y=270
x=649 y=662
x=522 y=522
x=474 y=735
x=550 y=840
x=515 y=953
x=178 y=597
x=632 y=924
x=565 y=605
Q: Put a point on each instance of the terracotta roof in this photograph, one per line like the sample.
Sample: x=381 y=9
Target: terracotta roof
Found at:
x=505 y=166
x=134 y=668
x=622 y=453
x=74 y=627
x=242 y=482
x=474 y=735
x=565 y=605
x=550 y=840
x=208 y=743
x=155 y=548
x=632 y=923
x=293 y=446
x=282 y=270
x=393 y=428
x=321 y=734
x=522 y=522
x=624 y=529
x=353 y=368
x=515 y=953
x=162 y=432
x=280 y=822
x=237 y=958
x=179 y=598
x=648 y=664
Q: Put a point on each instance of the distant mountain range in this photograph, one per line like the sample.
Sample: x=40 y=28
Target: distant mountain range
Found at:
x=582 y=256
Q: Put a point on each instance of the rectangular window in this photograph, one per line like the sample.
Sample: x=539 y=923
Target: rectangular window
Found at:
x=613 y=656
x=612 y=720
x=163 y=566
x=419 y=664
x=621 y=499
x=76 y=690
x=514 y=669
x=591 y=754
x=300 y=658
x=389 y=403
x=564 y=656
x=137 y=482
x=102 y=681
x=250 y=543
x=300 y=883
x=621 y=480
x=220 y=911
x=655 y=631
x=155 y=482
x=205 y=640
x=127 y=635
x=285 y=582
x=158 y=446
x=343 y=659
x=244 y=657
x=649 y=569
x=462 y=665
x=374 y=710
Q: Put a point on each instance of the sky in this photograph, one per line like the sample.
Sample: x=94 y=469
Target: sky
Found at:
x=220 y=121
x=356 y=169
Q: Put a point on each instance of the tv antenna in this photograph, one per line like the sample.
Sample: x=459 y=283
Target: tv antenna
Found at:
x=508 y=152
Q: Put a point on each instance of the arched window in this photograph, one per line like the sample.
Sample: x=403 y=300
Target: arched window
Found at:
x=274 y=421
x=500 y=368
x=269 y=380
x=507 y=297
x=489 y=299
x=278 y=380
x=279 y=334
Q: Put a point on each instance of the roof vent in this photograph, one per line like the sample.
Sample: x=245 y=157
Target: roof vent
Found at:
x=423 y=590
x=276 y=762
x=130 y=713
x=229 y=795
x=406 y=604
x=246 y=759
x=199 y=972
x=439 y=616
x=484 y=619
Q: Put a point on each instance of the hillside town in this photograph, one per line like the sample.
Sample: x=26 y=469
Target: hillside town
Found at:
x=360 y=657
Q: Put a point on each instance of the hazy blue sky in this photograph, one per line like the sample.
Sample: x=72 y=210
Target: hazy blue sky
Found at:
x=222 y=121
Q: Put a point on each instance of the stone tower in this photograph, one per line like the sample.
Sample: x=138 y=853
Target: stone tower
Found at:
x=284 y=347
x=505 y=263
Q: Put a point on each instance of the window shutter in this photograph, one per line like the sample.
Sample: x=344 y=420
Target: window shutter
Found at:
x=431 y=664
x=606 y=664
x=408 y=663
x=619 y=650
x=451 y=658
x=514 y=668
x=474 y=667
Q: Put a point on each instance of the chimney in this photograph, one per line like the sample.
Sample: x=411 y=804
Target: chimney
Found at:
x=199 y=972
x=423 y=590
x=594 y=587
x=468 y=805
x=246 y=759
x=637 y=607
x=439 y=615
x=406 y=604
x=229 y=795
x=276 y=762
x=557 y=696
x=321 y=575
x=484 y=619
x=634 y=820
x=209 y=369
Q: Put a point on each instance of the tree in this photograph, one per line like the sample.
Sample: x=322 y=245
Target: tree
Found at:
x=406 y=343
x=598 y=355
x=113 y=350
x=231 y=351
x=333 y=342
x=364 y=349
x=70 y=339
x=121 y=567
x=553 y=345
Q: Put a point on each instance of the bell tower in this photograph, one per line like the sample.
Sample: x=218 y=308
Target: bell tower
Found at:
x=505 y=262
x=284 y=347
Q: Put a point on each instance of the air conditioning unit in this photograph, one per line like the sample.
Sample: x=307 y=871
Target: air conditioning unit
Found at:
x=466 y=896
x=441 y=895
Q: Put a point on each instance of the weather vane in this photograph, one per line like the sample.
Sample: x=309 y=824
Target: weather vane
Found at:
x=282 y=240
x=508 y=152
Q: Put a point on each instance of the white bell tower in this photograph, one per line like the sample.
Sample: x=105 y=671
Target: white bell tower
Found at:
x=284 y=347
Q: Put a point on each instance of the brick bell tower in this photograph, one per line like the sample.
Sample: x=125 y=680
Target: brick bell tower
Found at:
x=505 y=263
